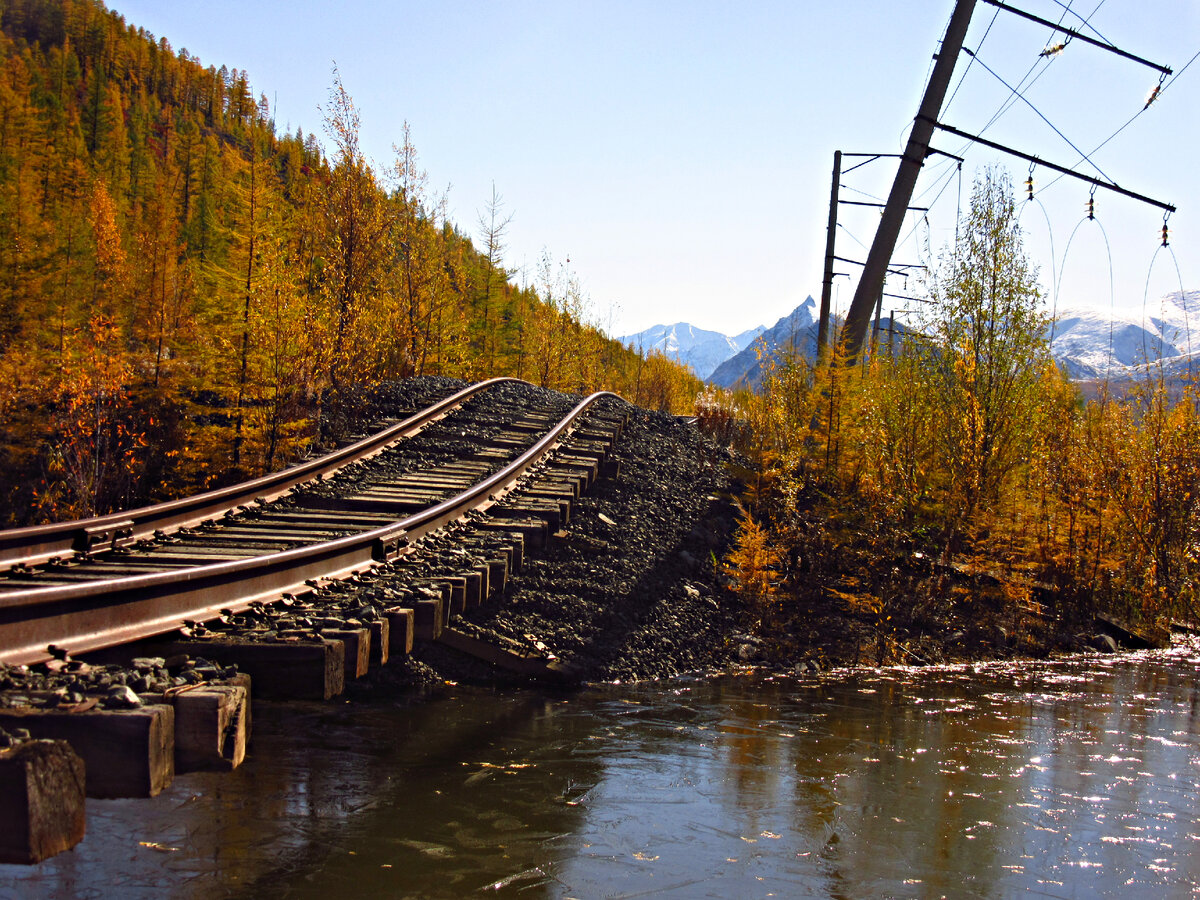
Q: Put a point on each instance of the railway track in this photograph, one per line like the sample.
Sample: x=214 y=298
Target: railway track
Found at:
x=129 y=643
x=261 y=562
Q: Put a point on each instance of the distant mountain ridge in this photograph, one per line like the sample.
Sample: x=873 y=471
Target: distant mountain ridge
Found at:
x=1095 y=344
x=1091 y=344
x=794 y=333
x=692 y=346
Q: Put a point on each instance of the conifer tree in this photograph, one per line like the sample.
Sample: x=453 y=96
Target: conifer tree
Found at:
x=991 y=341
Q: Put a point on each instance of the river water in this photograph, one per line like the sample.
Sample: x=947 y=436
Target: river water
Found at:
x=1075 y=778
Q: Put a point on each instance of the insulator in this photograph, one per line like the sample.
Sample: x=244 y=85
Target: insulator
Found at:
x=1091 y=207
x=1053 y=50
x=1164 y=234
x=1153 y=95
x=1029 y=187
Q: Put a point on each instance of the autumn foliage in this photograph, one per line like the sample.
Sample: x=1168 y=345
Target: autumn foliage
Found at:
x=963 y=449
x=185 y=293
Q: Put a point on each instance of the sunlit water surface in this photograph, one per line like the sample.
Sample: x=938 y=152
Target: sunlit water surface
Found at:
x=1066 y=779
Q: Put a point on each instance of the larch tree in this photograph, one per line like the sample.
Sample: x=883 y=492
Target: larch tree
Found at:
x=356 y=231
x=991 y=349
x=493 y=226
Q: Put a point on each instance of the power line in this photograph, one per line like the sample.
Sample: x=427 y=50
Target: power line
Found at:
x=1043 y=61
x=1109 y=185
x=850 y=234
x=1103 y=45
x=978 y=47
x=1054 y=127
x=1086 y=23
x=1161 y=91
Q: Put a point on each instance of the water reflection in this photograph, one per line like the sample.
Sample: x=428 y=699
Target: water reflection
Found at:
x=1068 y=779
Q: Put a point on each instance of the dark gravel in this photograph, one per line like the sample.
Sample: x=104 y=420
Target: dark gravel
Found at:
x=629 y=590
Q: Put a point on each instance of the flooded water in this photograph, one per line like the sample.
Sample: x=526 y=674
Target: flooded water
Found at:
x=1066 y=779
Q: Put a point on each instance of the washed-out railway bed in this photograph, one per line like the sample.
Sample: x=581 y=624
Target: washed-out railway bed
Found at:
x=425 y=589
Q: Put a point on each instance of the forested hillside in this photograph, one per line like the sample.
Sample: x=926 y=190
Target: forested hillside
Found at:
x=184 y=291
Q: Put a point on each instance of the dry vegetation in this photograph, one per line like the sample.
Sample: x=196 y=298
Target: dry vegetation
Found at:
x=957 y=496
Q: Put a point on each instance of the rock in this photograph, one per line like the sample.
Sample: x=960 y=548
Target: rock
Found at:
x=121 y=697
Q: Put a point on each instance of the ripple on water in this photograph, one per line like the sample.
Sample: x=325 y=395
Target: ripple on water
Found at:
x=1073 y=778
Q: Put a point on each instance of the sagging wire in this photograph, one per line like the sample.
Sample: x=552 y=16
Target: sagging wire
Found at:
x=957 y=207
x=1112 y=297
x=1187 y=325
x=937 y=197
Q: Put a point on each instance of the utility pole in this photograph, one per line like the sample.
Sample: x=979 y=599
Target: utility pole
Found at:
x=870 y=284
x=827 y=284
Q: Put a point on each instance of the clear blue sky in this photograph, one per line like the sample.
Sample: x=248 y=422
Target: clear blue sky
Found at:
x=679 y=154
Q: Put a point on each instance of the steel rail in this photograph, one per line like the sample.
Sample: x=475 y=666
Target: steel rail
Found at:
x=41 y=543
x=98 y=614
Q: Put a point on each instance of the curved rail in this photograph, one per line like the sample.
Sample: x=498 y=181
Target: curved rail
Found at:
x=41 y=543
x=101 y=614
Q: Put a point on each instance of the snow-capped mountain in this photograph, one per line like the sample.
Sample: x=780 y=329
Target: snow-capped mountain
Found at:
x=1097 y=343
x=692 y=346
x=796 y=332
x=1093 y=344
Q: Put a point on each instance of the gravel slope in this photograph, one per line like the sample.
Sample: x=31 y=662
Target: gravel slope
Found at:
x=629 y=589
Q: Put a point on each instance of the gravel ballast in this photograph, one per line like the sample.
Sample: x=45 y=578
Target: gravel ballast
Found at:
x=630 y=588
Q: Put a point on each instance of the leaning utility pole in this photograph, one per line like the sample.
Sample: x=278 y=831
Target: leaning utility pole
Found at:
x=875 y=268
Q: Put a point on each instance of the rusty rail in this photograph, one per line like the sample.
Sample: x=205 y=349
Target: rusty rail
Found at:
x=100 y=614
x=42 y=543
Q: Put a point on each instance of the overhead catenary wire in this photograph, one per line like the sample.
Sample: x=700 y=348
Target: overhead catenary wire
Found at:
x=967 y=70
x=1104 y=45
x=1085 y=22
x=1130 y=121
x=1040 y=115
x=1042 y=61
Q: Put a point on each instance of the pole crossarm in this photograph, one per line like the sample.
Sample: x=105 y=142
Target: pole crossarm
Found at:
x=931 y=151
x=1108 y=185
x=871 y=158
x=1103 y=45
x=880 y=205
x=899 y=270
